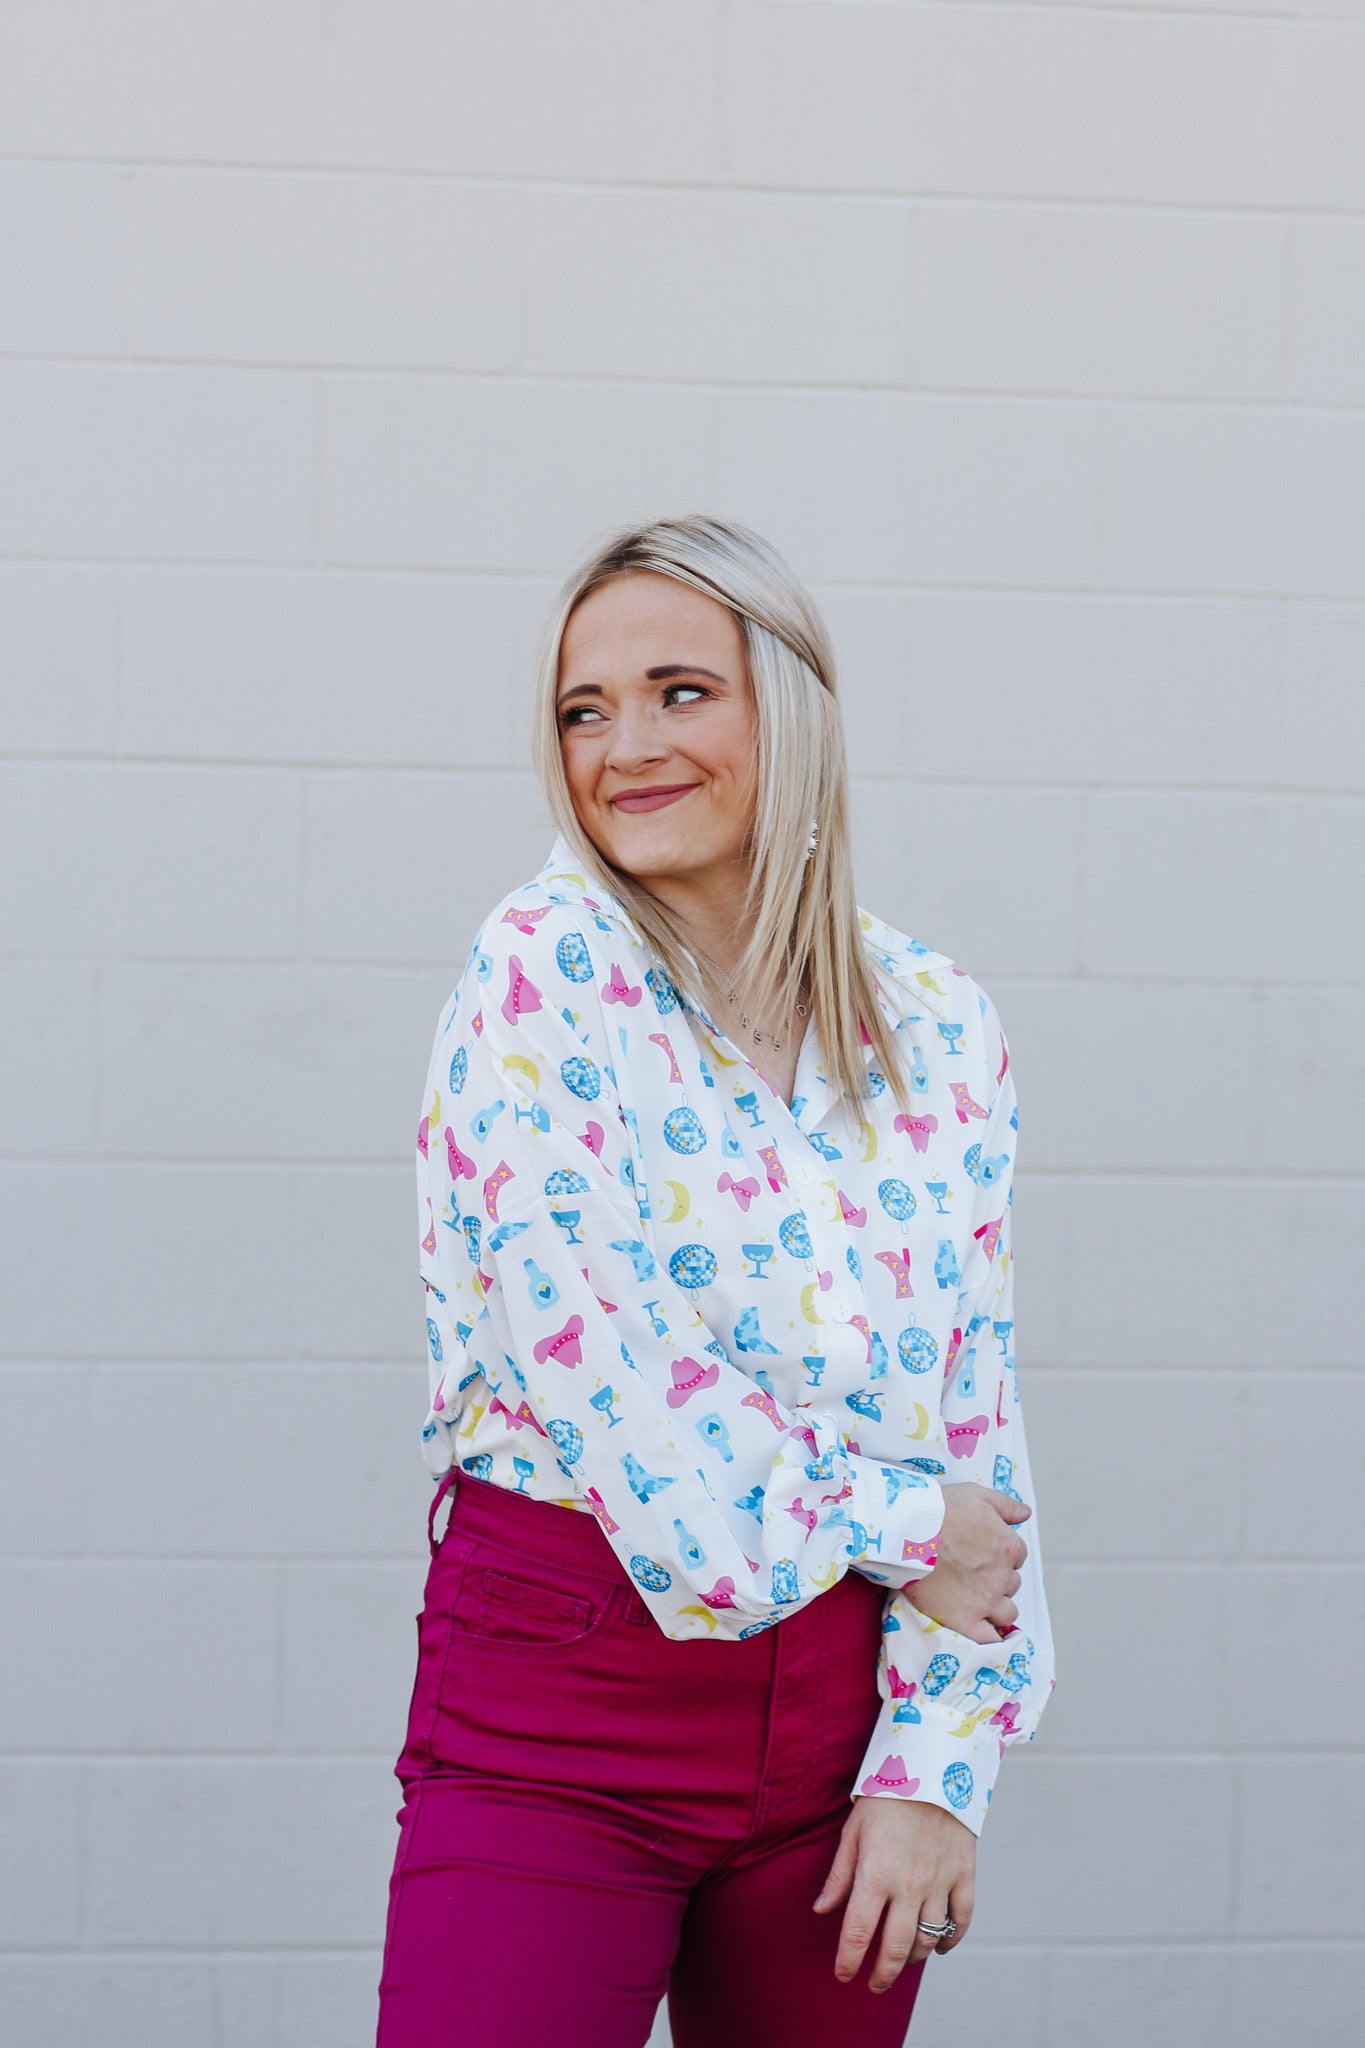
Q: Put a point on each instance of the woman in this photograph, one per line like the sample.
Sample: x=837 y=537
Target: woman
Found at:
x=731 y=1620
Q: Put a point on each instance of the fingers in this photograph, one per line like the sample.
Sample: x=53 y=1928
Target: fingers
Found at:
x=1003 y=1613
x=861 y=1915
x=840 y=1874
x=934 y=1910
x=961 y=1905
x=1007 y=1507
x=911 y=1861
x=901 y=1943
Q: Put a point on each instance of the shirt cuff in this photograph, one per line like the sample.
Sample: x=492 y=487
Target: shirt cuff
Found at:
x=894 y=1518
x=941 y=1739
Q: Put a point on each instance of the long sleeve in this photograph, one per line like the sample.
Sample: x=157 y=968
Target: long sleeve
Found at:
x=952 y=1706
x=727 y=1507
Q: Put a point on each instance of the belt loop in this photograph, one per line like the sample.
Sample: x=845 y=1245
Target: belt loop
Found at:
x=452 y=1474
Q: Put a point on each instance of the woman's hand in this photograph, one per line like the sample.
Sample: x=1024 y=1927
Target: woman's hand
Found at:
x=915 y=1860
x=979 y=1555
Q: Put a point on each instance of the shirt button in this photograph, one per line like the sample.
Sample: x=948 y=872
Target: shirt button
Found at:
x=803 y=1173
x=841 y=1307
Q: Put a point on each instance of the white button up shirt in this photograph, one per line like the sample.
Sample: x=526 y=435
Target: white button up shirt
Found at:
x=660 y=1295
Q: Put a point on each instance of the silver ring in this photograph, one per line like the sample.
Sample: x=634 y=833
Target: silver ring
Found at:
x=939 y=1932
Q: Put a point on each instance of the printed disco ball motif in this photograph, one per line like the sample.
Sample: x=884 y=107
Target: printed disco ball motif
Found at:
x=693 y=1265
x=942 y=1670
x=662 y=989
x=573 y=958
x=582 y=1076
x=957 y=1785
x=567 y=1439
x=897 y=1198
x=918 y=1348
x=656 y=1578
x=794 y=1236
x=684 y=1130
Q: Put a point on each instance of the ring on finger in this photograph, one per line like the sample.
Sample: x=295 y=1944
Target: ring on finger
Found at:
x=938 y=1930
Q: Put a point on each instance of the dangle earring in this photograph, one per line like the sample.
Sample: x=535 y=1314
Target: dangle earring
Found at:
x=812 y=842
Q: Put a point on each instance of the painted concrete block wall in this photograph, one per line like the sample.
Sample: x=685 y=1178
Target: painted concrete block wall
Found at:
x=1035 y=336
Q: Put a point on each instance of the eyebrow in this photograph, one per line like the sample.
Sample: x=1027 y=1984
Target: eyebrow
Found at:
x=654 y=675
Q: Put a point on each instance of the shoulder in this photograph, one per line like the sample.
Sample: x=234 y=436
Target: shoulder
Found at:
x=930 y=986
x=541 y=939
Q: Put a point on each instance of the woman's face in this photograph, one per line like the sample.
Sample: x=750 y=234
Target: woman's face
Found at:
x=654 y=695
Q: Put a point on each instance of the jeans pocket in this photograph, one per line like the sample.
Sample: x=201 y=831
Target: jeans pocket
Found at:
x=511 y=1609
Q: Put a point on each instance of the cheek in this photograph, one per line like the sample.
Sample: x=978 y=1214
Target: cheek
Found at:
x=575 y=771
x=729 y=754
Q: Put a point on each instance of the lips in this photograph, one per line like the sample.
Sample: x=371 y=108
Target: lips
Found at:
x=652 y=799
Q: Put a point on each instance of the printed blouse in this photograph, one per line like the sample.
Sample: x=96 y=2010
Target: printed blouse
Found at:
x=753 y=1349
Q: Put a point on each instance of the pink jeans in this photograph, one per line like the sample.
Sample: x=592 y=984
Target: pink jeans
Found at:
x=594 y=1815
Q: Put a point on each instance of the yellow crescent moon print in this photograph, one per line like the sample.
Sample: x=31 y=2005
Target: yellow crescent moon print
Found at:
x=682 y=1201
x=434 y=1113
x=969 y=1723
x=703 y=1614
x=824 y=1580
x=808 y=1308
x=869 y=1137
x=519 y=1064
x=921 y=1428
x=722 y=1059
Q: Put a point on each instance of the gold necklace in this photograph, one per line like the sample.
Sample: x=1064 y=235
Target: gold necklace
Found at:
x=802 y=1009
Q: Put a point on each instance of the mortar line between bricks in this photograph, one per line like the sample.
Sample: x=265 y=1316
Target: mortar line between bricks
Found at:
x=1315 y=1564
x=1098 y=1944
x=722 y=187
x=272 y=1362
x=1071 y=1563
x=250 y=1759
x=197 y=1759
x=261 y=764
x=294 y=1162
x=1273 y=404
x=319 y=963
x=1134 y=593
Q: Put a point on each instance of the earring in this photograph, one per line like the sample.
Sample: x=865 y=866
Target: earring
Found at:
x=814 y=837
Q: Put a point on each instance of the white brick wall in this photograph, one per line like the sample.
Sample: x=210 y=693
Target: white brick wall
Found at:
x=1035 y=335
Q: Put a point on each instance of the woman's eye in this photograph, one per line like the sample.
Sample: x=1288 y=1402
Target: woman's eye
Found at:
x=573 y=716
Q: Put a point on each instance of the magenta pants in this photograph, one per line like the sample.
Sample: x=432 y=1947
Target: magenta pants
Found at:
x=595 y=1815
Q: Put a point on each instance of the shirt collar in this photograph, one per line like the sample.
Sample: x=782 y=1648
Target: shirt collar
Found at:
x=562 y=876
x=918 y=974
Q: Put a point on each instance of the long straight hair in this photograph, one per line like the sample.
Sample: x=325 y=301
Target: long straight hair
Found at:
x=801 y=914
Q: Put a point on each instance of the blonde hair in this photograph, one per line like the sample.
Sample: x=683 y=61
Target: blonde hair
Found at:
x=802 y=914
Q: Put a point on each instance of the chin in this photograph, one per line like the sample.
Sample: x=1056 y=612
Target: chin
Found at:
x=652 y=860
x=648 y=849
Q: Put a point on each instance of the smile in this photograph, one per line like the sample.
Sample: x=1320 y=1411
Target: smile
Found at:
x=652 y=800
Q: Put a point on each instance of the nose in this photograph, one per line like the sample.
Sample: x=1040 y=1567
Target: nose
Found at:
x=636 y=738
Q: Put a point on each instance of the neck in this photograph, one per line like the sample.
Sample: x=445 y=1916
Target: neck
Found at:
x=706 y=909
